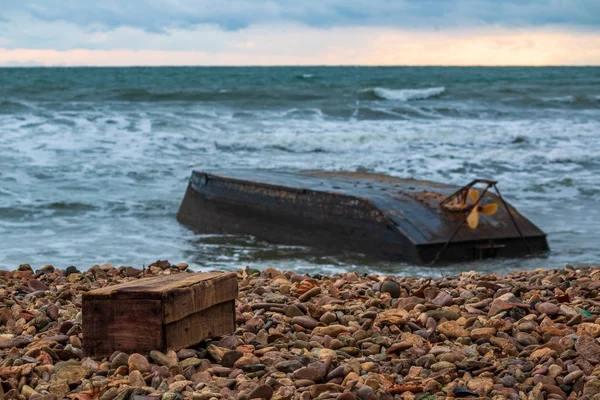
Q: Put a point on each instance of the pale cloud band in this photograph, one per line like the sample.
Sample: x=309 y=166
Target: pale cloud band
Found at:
x=279 y=32
x=342 y=46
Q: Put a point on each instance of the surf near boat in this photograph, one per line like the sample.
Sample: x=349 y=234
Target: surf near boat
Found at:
x=391 y=218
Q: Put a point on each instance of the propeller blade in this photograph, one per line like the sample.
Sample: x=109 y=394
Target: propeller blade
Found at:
x=473 y=218
x=473 y=195
x=489 y=209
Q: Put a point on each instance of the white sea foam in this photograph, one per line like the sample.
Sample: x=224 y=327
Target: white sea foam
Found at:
x=561 y=99
x=141 y=156
x=405 y=94
x=579 y=98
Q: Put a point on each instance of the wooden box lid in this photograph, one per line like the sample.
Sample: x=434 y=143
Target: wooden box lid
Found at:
x=180 y=294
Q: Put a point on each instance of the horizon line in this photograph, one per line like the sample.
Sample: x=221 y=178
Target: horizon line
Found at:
x=309 y=66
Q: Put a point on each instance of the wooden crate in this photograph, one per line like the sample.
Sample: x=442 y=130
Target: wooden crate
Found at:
x=167 y=312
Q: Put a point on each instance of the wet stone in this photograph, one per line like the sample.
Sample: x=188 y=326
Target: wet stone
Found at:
x=310 y=294
x=118 y=359
x=230 y=357
x=446 y=314
x=289 y=366
x=186 y=353
x=261 y=392
x=292 y=311
x=314 y=372
x=547 y=308
x=305 y=321
x=508 y=381
x=443 y=299
x=328 y=318
x=527 y=334
x=137 y=362
x=392 y=288
x=253 y=368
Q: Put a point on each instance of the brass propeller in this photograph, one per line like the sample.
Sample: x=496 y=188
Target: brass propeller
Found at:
x=488 y=209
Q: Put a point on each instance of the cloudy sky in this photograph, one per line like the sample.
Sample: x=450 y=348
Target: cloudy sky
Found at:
x=300 y=32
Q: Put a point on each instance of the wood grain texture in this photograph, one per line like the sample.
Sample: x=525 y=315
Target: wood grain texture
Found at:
x=125 y=325
x=215 y=321
x=183 y=301
x=156 y=287
x=159 y=313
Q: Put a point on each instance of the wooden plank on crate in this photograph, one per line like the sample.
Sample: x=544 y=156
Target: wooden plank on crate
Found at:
x=159 y=313
x=183 y=333
x=184 y=301
x=155 y=287
x=124 y=324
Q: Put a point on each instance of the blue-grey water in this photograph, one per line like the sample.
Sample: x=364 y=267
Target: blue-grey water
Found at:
x=94 y=161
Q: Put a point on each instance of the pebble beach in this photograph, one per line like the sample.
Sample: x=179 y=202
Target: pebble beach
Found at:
x=522 y=335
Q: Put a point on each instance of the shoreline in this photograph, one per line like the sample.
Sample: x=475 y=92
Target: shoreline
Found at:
x=525 y=334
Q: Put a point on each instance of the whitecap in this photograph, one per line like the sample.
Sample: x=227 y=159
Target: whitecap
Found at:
x=579 y=98
x=405 y=94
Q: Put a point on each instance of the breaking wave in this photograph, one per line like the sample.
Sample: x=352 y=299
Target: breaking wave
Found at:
x=574 y=99
x=137 y=133
x=405 y=94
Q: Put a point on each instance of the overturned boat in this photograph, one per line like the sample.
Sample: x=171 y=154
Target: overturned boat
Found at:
x=391 y=218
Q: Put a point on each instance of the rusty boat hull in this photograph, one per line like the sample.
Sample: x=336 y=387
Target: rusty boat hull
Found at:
x=383 y=216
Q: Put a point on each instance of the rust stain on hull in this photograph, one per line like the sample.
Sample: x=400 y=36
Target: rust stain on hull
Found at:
x=388 y=217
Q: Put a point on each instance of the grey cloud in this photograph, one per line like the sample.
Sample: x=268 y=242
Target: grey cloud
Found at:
x=158 y=15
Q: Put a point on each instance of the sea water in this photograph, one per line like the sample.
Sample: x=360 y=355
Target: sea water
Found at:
x=95 y=161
